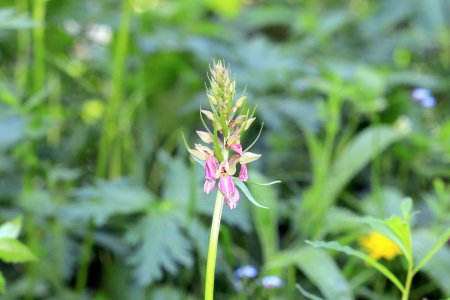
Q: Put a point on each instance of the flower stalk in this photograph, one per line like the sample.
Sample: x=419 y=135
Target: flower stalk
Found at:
x=223 y=156
x=212 y=249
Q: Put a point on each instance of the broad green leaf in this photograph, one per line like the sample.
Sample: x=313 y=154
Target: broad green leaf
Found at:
x=13 y=251
x=2 y=283
x=176 y=185
x=11 y=229
x=161 y=246
x=247 y=193
x=319 y=267
x=438 y=265
x=357 y=154
x=350 y=251
x=441 y=241
x=106 y=199
x=265 y=220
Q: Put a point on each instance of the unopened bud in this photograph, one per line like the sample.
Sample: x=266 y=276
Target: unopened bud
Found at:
x=240 y=102
x=249 y=123
x=248 y=157
x=208 y=114
x=212 y=99
x=205 y=136
x=233 y=139
x=239 y=119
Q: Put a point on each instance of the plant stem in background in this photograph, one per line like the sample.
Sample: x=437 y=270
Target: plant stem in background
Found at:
x=212 y=249
x=39 y=7
x=409 y=277
x=23 y=50
x=110 y=151
x=85 y=258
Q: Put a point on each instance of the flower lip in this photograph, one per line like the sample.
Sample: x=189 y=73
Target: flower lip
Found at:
x=272 y=282
x=246 y=271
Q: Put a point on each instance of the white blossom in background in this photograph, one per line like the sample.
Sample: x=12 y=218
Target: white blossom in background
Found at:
x=72 y=27
x=99 y=33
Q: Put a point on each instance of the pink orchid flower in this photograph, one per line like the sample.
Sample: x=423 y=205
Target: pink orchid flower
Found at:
x=211 y=165
x=227 y=187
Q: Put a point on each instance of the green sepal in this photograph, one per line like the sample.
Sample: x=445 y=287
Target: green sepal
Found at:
x=203 y=121
x=256 y=139
x=264 y=184
x=247 y=193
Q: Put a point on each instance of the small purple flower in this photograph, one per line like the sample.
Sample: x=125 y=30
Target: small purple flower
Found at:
x=272 y=282
x=424 y=97
x=243 y=174
x=246 y=271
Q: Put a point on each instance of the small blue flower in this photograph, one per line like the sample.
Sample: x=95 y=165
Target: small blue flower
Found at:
x=246 y=271
x=271 y=282
x=424 y=97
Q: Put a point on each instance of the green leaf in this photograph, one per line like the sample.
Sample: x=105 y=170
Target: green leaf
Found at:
x=350 y=251
x=352 y=159
x=306 y=293
x=160 y=245
x=106 y=199
x=401 y=229
x=357 y=154
x=438 y=265
x=247 y=193
x=11 y=229
x=13 y=251
x=319 y=267
x=2 y=283
x=440 y=242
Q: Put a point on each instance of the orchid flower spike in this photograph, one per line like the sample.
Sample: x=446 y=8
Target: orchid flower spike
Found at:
x=228 y=119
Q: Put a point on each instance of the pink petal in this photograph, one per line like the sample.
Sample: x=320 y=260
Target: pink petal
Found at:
x=211 y=166
x=209 y=186
x=243 y=174
x=226 y=186
x=232 y=201
x=236 y=148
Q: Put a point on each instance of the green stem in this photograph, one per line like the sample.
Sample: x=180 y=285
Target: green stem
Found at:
x=85 y=258
x=23 y=50
x=409 y=278
x=110 y=150
x=212 y=249
x=39 y=7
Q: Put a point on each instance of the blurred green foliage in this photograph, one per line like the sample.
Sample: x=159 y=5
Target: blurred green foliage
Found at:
x=94 y=96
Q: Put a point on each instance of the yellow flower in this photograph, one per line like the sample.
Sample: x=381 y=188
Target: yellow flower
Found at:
x=378 y=246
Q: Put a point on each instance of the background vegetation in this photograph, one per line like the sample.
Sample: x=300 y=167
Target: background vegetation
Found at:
x=94 y=96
